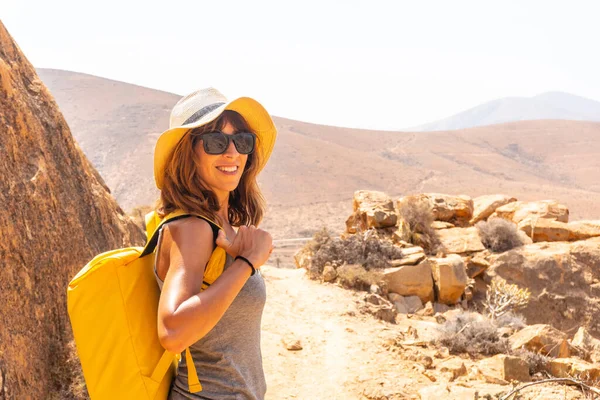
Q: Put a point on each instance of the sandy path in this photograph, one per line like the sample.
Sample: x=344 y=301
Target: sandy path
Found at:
x=342 y=354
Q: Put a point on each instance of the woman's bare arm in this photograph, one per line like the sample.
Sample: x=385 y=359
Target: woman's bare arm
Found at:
x=184 y=314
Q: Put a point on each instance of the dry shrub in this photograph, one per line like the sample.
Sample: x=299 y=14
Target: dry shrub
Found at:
x=498 y=234
x=537 y=362
x=353 y=276
x=473 y=334
x=511 y=320
x=417 y=214
x=365 y=249
x=502 y=298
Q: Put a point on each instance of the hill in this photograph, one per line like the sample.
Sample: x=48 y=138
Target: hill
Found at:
x=550 y=105
x=315 y=169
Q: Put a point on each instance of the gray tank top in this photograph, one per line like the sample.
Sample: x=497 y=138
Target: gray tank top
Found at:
x=228 y=359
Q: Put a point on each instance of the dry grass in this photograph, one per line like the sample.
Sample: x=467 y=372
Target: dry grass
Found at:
x=473 y=334
x=353 y=276
x=416 y=213
x=356 y=258
x=498 y=234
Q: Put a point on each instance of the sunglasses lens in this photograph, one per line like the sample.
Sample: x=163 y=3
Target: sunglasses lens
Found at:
x=215 y=142
x=244 y=142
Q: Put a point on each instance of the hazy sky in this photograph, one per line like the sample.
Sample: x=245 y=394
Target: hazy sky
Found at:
x=371 y=64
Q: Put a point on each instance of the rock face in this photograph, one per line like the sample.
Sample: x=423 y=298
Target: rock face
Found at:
x=484 y=206
x=449 y=277
x=457 y=210
x=519 y=210
x=56 y=214
x=460 y=240
x=372 y=209
x=548 y=230
x=564 y=280
x=411 y=280
x=541 y=338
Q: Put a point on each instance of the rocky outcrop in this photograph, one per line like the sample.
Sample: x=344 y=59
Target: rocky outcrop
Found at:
x=372 y=209
x=519 y=210
x=548 y=230
x=460 y=240
x=56 y=214
x=457 y=210
x=564 y=280
x=484 y=206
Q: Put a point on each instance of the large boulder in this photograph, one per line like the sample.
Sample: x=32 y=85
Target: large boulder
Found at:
x=575 y=367
x=541 y=338
x=460 y=240
x=449 y=276
x=410 y=280
x=56 y=214
x=484 y=206
x=548 y=230
x=372 y=209
x=564 y=280
x=457 y=210
x=503 y=369
x=517 y=211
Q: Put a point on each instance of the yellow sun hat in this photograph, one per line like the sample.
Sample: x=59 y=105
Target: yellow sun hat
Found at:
x=204 y=106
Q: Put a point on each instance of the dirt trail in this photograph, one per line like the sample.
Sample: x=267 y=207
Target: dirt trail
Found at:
x=342 y=353
x=347 y=355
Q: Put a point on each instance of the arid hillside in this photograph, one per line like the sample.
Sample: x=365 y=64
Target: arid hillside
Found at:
x=315 y=169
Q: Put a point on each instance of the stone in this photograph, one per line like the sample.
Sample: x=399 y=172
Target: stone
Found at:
x=484 y=206
x=385 y=312
x=460 y=240
x=541 y=338
x=455 y=209
x=413 y=303
x=427 y=310
x=303 y=258
x=442 y=225
x=547 y=230
x=409 y=280
x=57 y=214
x=412 y=259
x=505 y=368
x=517 y=211
x=329 y=274
x=588 y=344
x=450 y=278
x=454 y=365
x=574 y=367
x=292 y=343
x=440 y=308
x=476 y=265
x=372 y=209
x=560 y=277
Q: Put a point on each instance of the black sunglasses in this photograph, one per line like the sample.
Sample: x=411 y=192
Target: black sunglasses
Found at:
x=218 y=142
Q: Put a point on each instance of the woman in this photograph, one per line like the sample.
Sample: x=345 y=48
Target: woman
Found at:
x=207 y=163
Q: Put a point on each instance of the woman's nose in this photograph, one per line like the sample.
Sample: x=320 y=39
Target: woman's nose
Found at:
x=231 y=150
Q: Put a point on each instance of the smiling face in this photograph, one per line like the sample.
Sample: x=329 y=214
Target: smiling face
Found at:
x=221 y=173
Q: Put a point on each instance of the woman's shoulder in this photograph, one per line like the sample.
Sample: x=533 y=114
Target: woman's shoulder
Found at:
x=188 y=231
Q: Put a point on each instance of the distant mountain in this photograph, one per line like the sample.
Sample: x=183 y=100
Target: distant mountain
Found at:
x=550 y=105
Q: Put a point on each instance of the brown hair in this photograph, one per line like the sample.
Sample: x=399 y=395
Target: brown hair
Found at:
x=183 y=190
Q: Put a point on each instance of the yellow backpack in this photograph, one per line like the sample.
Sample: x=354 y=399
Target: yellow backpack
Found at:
x=113 y=307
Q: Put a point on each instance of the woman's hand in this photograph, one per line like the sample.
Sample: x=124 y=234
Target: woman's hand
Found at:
x=250 y=242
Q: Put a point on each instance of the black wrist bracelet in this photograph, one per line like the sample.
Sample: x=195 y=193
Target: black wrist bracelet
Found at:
x=249 y=263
